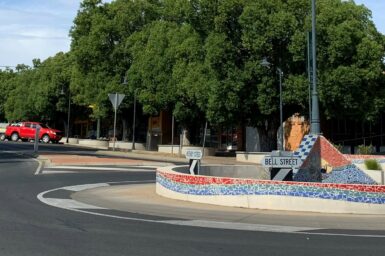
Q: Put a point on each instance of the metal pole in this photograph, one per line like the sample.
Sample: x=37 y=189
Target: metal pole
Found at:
x=116 y=104
x=309 y=70
x=68 y=116
x=315 y=121
x=204 y=140
x=36 y=142
x=133 y=123
x=172 y=135
x=98 y=128
x=280 y=107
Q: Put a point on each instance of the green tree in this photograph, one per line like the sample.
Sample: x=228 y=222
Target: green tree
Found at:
x=6 y=87
x=35 y=91
x=350 y=61
x=167 y=69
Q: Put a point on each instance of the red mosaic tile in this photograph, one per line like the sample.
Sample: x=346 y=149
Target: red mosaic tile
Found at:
x=202 y=180
x=331 y=155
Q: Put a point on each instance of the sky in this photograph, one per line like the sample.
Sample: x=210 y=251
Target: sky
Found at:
x=39 y=28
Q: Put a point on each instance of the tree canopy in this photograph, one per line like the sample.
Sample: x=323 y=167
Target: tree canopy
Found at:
x=201 y=59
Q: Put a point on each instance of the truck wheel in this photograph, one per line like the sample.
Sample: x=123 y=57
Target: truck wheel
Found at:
x=2 y=137
x=45 y=138
x=15 y=136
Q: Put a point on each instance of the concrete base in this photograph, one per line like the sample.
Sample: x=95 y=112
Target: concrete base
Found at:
x=70 y=140
x=251 y=157
x=101 y=144
x=277 y=202
x=236 y=191
x=175 y=149
x=122 y=145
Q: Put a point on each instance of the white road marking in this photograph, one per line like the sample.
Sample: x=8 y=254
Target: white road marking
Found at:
x=69 y=204
x=77 y=188
x=81 y=207
x=99 y=168
x=39 y=167
x=56 y=172
x=238 y=226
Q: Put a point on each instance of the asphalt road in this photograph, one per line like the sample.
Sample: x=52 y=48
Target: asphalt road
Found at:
x=29 y=227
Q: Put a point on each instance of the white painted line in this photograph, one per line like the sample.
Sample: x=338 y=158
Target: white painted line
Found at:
x=128 y=169
x=85 y=186
x=80 y=207
x=56 y=172
x=69 y=204
x=238 y=226
x=39 y=167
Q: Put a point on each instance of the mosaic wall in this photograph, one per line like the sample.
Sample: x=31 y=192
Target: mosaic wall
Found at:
x=350 y=174
x=203 y=185
x=359 y=159
x=317 y=152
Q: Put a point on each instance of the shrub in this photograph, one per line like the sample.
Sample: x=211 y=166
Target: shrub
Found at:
x=372 y=164
x=365 y=150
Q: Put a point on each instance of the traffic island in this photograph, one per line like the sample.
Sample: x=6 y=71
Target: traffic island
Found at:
x=342 y=188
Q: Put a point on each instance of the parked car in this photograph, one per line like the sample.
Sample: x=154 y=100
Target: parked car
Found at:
x=26 y=131
x=2 y=130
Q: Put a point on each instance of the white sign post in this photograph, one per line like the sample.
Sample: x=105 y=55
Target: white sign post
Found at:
x=195 y=157
x=282 y=161
x=115 y=99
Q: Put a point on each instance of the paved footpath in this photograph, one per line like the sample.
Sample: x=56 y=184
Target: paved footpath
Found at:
x=105 y=157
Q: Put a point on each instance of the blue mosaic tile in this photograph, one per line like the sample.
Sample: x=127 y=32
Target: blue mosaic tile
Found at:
x=349 y=174
x=283 y=189
x=305 y=146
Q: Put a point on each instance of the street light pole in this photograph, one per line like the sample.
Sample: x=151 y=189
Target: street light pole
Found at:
x=315 y=120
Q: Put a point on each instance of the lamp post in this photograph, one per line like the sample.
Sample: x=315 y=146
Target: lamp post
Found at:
x=315 y=121
x=266 y=63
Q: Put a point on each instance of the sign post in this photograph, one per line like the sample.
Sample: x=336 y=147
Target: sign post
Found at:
x=36 y=142
x=195 y=157
x=115 y=99
x=282 y=161
x=282 y=164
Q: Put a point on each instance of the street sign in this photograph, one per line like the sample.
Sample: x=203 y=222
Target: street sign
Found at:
x=116 y=99
x=194 y=154
x=282 y=161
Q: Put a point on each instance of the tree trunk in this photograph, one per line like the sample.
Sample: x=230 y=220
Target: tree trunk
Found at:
x=267 y=138
x=124 y=134
x=185 y=137
x=65 y=128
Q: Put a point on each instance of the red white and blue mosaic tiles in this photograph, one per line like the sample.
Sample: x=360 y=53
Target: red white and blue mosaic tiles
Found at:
x=318 y=149
x=203 y=185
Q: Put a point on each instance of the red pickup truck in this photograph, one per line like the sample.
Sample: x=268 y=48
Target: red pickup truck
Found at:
x=26 y=131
